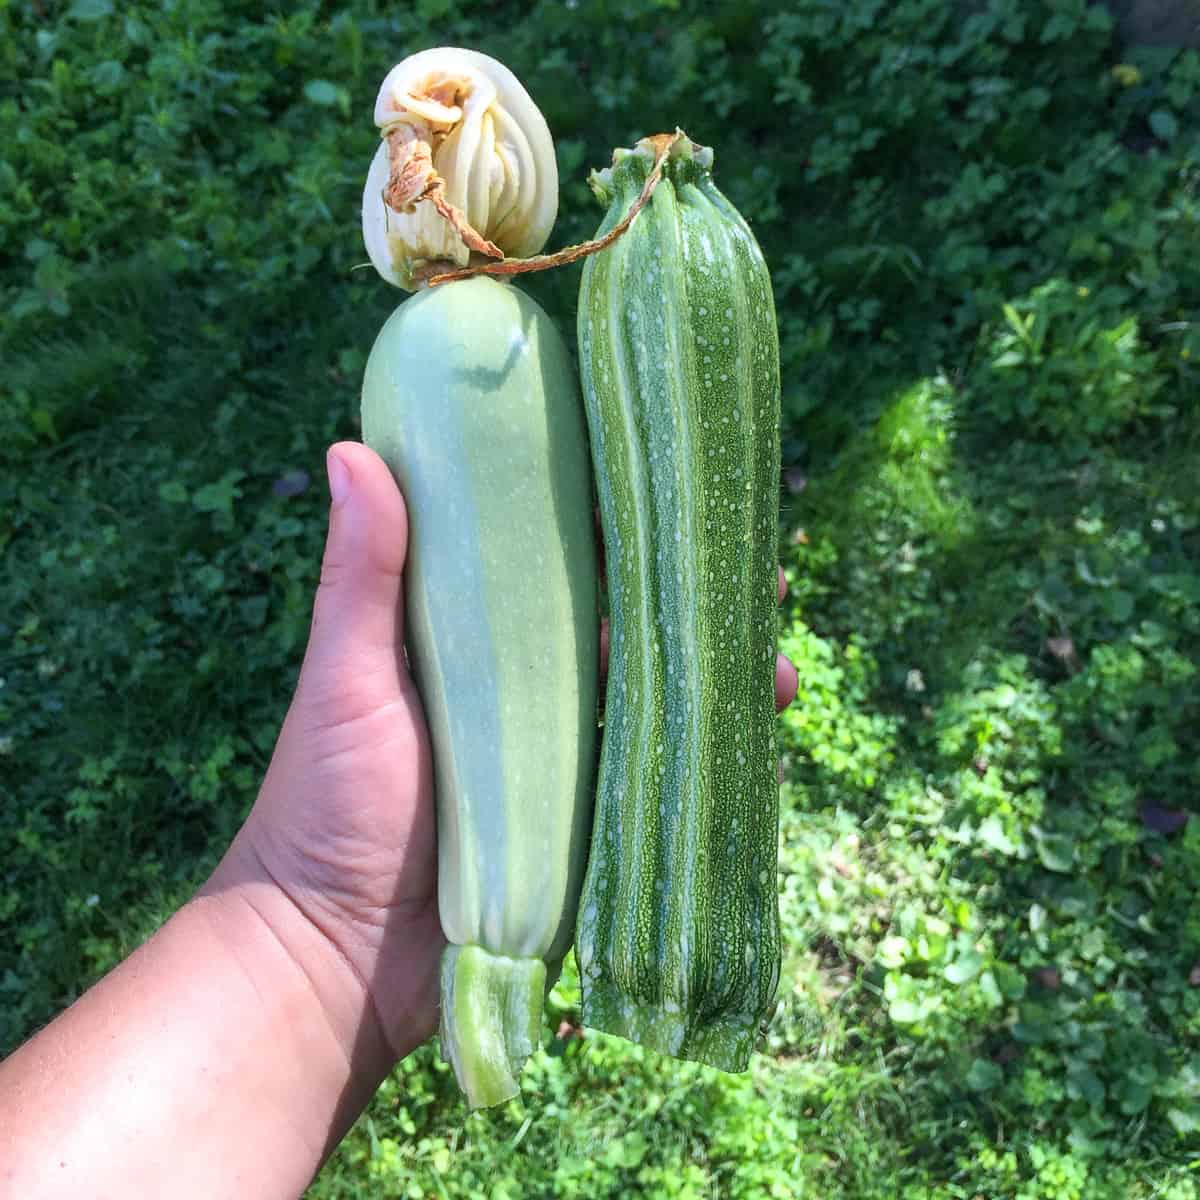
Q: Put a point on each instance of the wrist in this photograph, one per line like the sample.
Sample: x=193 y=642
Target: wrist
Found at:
x=367 y=973
x=291 y=960
x=233 y=1022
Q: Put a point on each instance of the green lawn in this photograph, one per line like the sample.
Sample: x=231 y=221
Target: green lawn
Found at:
x=983 y=225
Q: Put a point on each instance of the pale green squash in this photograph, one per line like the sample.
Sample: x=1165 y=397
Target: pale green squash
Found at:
x=471 y=398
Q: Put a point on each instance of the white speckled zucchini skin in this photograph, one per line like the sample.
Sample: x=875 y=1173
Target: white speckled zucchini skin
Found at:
x=471 y=398
x=678 y=935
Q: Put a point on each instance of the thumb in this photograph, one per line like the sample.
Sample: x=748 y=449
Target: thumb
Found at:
x=357 y=627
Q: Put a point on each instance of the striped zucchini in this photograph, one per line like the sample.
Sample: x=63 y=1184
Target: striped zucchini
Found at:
x=678 y=936
x=471 y=398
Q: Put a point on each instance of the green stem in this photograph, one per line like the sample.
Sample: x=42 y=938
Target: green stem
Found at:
x=491 y=1020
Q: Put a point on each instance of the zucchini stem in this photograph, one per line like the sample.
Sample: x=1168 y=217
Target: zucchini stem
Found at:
x=661 y=143
x=491 y=1020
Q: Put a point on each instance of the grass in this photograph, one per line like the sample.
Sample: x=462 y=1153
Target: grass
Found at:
x=981 y=223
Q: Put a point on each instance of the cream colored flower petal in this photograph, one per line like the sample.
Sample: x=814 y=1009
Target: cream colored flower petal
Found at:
x=468 y=146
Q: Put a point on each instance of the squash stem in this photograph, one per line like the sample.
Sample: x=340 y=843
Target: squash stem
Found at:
x=491 y=1020
x=660 y=146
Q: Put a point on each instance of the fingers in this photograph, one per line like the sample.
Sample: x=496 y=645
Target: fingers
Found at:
x=786 y=682
x=357 y=615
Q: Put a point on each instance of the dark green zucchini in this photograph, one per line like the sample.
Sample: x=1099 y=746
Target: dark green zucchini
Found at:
x=678 y=934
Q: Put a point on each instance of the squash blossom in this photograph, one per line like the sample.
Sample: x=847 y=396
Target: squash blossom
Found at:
x=465 y=169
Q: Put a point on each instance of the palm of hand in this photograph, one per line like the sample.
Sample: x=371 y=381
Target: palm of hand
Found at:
x=354 y=844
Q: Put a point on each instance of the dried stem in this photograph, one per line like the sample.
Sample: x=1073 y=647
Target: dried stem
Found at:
x=542 y=262
x=435 y=193
x=412 y=177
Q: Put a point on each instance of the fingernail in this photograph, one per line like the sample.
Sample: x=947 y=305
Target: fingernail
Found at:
x=339 y=477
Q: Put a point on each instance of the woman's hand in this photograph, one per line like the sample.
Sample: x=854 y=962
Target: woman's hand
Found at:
x=344 y=823
x=228 y=1055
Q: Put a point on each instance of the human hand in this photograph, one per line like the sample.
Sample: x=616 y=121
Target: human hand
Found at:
x=343 y=826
